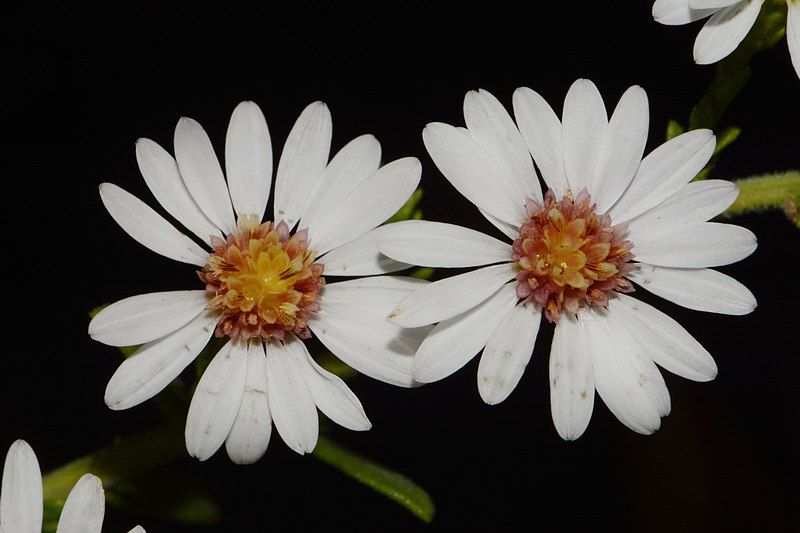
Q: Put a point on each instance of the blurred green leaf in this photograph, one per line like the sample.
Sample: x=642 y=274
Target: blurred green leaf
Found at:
x=52 y=511
x=422 y=273
x=334 y=365
x=167 y=494
x=380 y=479
x=724 y=140
x=674 y=128
x=409 y=210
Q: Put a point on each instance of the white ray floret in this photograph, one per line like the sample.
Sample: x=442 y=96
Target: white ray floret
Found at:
x=264 y=375
x=729 y=22
x=612 y=216
x=21 y=504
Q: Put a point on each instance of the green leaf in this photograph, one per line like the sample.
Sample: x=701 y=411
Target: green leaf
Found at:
x=422 y=273
x=409 y=210
x=674 y=128
x=380 y=479
x=167 y=494
x=52 y=511
x=334 y=365
x=724 y=139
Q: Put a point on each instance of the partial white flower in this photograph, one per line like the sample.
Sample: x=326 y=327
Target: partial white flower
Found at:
x=729 y=23
x=572 y=254
x=21 y=506
x=263 y=286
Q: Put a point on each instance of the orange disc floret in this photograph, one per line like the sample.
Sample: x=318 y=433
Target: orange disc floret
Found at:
x=567 y=255
x=264 y=281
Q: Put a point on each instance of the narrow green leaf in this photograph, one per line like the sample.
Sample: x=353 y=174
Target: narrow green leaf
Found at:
x=726 y=138
x=380 y=479
x=409 y=210
x=422 y=273
x=167 y=494
x=52 y=511
x=674 y=128
x=334 y=365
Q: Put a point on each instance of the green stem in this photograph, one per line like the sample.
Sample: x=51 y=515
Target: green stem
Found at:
x=118 y=461
x=733 y=72
x=769 y=192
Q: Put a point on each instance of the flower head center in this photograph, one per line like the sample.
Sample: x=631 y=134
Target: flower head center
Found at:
x=264 y=281
x=568 y=255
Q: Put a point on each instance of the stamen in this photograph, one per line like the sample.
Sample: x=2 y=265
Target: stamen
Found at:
x=569 y=256
x=263 y=280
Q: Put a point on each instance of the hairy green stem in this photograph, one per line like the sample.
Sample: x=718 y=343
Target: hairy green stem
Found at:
x=768 y=192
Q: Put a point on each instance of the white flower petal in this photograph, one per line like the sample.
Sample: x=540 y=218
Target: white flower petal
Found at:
x=473 y=173
x=290 y=401
x=155 y=364
x=361 y=257
x=616 y=377
x=711 y=4
x=509 y=230
x=699 y=289
x=678 y=12
x=85 y=507
x=249 y=436
x=368 y=205
x=436 y=244
x=148 y=227
x=21 y=494
x=725 y=30
x=216 y=401
x=248 y=160
x=571 y=378
x=453 y=342
x=622 y=148
x=664 y=172
x=491 y=126
x=584 y=127
x=330 y=393
x=351 y=166
x=352 y=324
x=650 y=380
x=451 y=296
x=793 y=33
x=160 y=172
x=508 y=352
x=302 y=162
x=695 y=245
x=541 y=129
x=664 y=340
x=202 y=174
x=695 y=203
x=146 y=317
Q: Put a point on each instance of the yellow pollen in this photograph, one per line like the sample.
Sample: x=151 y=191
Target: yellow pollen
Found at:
x=264 y=281
x=568 y=255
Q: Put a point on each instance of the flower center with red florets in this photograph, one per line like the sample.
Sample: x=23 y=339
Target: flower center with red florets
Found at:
x=568 y=255
x=264 y=281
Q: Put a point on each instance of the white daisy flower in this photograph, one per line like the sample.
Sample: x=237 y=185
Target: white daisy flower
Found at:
x=21 y=503
x=263 y=286
x=729 y=23
x=572 y=254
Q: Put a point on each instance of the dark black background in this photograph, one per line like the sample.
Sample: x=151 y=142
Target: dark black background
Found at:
x=80 y=87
